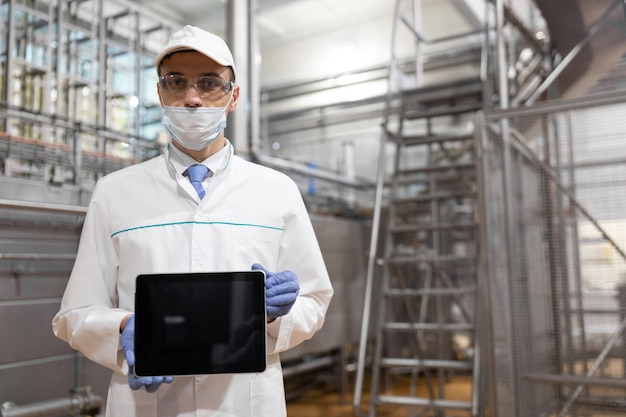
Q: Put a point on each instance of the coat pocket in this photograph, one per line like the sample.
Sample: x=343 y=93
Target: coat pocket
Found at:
x=256 y=244
x=267 y=394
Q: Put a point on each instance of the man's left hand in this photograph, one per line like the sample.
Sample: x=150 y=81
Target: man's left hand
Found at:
x=281 y=291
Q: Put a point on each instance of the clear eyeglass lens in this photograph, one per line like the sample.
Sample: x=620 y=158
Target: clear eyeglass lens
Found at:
x=205 y=85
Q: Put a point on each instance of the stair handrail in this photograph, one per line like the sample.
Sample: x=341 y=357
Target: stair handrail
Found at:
x=378 y=195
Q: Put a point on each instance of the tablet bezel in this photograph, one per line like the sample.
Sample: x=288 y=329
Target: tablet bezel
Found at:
x=154 y=356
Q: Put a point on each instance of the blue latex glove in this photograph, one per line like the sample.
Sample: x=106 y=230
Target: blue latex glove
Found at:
x=281 y=291
x=127 y=340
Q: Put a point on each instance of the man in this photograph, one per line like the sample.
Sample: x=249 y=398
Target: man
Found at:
x=161 y=216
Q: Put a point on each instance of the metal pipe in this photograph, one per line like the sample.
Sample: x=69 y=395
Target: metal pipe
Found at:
x=38 y=361
x=37 y=257
x=432 y=61
x=418 y=52
x=308 y=366
x=254 y=137
x=45 y=207
x=80 y=402
x=239 y=23
x=501 y=57
x=300 y=168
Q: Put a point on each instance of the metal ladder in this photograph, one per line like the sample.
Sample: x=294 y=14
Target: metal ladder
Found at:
x=422 y=278
x=424 y=329
x=425 y=323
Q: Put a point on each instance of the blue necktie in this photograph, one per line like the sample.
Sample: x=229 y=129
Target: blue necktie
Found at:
x=196 y=174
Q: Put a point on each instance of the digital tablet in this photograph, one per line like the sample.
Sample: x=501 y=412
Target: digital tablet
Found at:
x=200 y=323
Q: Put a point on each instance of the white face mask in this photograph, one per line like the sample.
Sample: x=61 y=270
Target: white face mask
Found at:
x=195 y=127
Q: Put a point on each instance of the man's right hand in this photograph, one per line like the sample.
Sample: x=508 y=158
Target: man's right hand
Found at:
x=127 y=340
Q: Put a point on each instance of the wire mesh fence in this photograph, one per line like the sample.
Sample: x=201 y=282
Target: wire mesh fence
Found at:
x=553 y=216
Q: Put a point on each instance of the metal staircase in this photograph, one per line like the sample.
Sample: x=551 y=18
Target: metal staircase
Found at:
x=422 y=277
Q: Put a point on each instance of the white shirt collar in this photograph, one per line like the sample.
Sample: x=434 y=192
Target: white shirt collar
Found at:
x=217 y=162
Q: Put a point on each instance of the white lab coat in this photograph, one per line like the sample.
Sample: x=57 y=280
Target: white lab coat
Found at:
x=147 y=218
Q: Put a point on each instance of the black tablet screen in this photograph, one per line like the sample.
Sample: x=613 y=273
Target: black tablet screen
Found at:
x=200 y=323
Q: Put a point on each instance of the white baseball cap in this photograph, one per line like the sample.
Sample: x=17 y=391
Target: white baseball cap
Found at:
x=192 y=38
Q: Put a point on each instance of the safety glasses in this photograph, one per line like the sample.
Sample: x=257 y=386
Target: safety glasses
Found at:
x=207 y=86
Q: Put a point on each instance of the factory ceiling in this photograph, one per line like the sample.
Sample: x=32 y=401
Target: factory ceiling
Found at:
x=280 y=22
